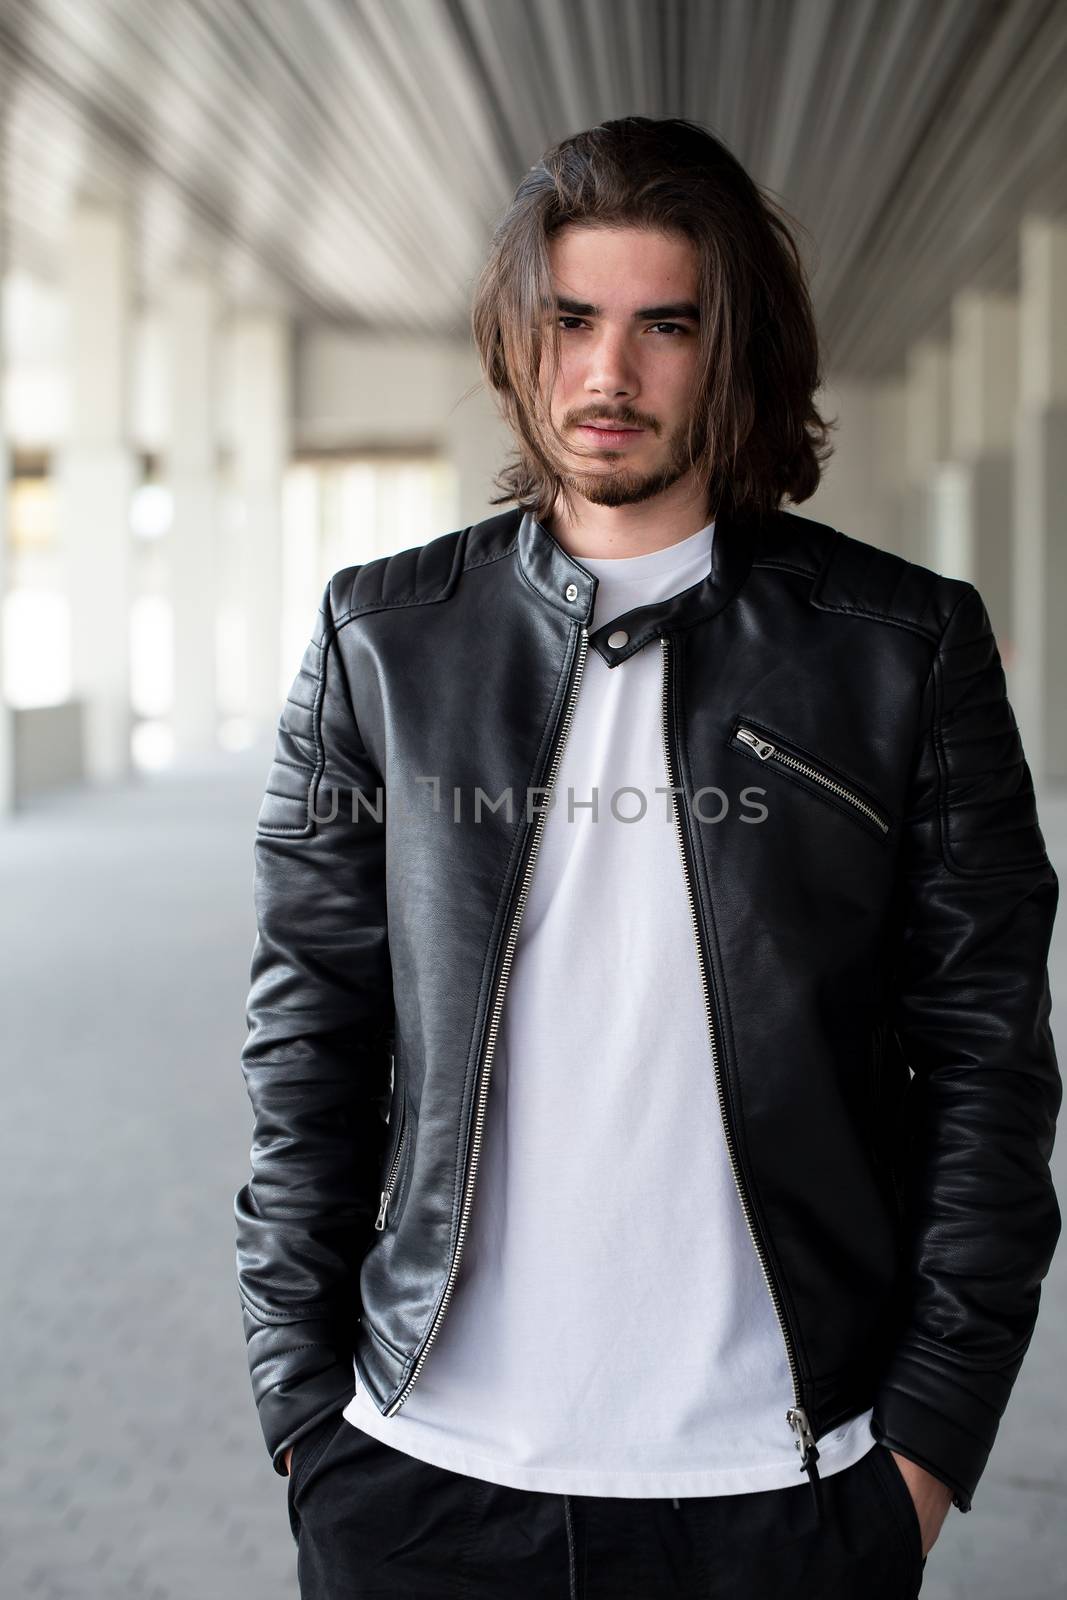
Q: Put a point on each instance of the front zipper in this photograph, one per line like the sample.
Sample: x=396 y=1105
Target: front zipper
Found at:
x=768 y=751
x=496 y=1011
x=796 y=1416
x=390 y=1182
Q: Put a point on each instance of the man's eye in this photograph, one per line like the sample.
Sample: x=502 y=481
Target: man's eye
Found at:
x=672 y=327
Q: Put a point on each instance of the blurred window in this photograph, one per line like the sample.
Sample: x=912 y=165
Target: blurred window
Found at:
x=36 y=622
x=344 y=508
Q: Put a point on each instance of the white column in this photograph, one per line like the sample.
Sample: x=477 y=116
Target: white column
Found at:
x=864 y=487
x=845 y=497
x=261 y=426
x=927 y=523
x=889 y=469
x=7 y=740
x=985 y=392
x=476 y=439
x=1040 y=576
x=96 y=475
x=192 y=466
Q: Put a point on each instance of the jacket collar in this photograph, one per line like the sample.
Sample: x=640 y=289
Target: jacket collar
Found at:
x=565 y=584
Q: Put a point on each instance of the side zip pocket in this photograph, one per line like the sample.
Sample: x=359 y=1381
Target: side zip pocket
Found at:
x=394 y=1166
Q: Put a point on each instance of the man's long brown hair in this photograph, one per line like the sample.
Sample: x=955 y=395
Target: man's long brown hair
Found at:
x=755 y=435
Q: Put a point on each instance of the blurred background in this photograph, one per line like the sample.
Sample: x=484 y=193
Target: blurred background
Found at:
x=238 y=241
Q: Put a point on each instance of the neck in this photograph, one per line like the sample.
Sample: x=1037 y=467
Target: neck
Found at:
x=585 y=529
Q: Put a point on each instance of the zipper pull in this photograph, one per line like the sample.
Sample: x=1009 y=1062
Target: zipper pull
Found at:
x=797 y=1419
x=379 y=1222
x=762 y=748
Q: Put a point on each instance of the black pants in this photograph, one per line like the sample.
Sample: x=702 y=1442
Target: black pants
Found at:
x=371 y=1521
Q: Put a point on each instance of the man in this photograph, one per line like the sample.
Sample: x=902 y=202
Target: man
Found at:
x=680 y=855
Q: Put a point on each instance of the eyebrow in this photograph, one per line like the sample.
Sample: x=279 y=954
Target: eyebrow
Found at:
x=679 y=309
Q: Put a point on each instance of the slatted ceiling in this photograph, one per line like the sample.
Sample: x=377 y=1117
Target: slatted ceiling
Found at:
x=990 y=140
x=348 y=158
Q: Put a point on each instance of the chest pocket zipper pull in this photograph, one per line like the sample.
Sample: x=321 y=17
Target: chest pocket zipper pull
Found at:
x=762 y=748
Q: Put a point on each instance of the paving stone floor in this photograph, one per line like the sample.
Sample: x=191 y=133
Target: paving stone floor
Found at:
x=131 y=1462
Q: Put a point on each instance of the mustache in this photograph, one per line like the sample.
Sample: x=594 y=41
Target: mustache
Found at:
x=624 y=419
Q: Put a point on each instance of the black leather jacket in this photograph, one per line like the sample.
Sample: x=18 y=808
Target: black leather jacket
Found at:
x=892 y=910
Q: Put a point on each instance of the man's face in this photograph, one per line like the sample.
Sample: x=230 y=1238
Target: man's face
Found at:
x=626 y=305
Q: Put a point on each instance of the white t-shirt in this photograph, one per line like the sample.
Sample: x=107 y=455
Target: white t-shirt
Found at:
x=610 y=1331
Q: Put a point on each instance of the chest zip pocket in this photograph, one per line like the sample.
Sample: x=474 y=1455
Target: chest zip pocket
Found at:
x=769 y=750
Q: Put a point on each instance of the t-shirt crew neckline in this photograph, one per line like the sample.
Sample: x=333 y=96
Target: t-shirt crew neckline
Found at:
x=654 y=563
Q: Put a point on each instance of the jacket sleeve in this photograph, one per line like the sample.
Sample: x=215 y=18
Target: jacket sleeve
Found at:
x=316 y=1059
x=971 y=1008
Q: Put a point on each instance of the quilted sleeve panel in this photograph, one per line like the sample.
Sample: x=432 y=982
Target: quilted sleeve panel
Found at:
x=316 y=1059
x=971 y=1008
x=988 y=812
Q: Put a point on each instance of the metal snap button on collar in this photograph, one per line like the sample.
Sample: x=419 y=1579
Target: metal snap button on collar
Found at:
x=571 y=592
x=617 y=639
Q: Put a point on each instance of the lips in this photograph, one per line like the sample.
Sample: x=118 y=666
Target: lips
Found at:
x=609 y=435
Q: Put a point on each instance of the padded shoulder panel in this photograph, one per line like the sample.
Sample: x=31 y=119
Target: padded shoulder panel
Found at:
x=424 y=573
x=867 y=581
x=416 y=576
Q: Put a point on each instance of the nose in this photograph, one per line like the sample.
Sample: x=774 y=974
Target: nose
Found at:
x=611 y=374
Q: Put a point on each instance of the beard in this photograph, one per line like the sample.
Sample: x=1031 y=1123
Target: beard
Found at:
x=625 y=486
